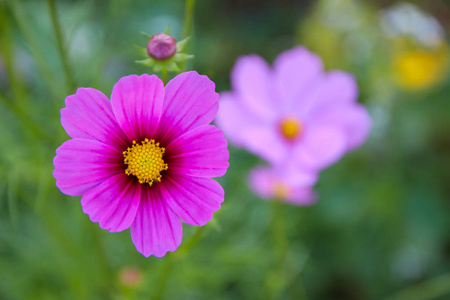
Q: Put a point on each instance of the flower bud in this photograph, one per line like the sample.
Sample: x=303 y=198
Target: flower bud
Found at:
x=130 y=277
x=161 y=46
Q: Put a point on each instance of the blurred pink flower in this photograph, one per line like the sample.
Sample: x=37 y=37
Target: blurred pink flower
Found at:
x=144 y=160
x=280 y=184
x=295 y=111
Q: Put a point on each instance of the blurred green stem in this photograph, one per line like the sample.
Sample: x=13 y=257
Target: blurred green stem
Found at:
x=431 y=289
x=187 y=26
x=31 y=38
x=61 y=48
x=276 y=281
x=170 y=258
x=188 y=16
x=164 y=75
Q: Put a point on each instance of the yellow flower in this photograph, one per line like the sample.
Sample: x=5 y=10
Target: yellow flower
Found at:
x=420 y=68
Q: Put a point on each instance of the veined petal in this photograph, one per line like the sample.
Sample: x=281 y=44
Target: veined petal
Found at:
x=200 y=152
x=88 y=115
x=319 y=147
x=295 y=70
x=81 y=164
x=156 y=229
x=193 y=199
x=113 y=203
x=190 y=101
x=137 y=103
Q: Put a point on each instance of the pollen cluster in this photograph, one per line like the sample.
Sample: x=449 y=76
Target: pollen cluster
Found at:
x=145 y=161
x=290 y=128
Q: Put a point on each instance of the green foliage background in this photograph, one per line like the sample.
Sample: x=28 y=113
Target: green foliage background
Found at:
x=381 y=223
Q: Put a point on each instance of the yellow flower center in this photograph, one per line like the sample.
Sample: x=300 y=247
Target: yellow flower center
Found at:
x=291 y=128
x=145 y=161
x=280 y=191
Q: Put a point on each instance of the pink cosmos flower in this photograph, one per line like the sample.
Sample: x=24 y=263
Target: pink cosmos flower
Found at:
x=281 y=184
x=144 y=160
x=295 y=111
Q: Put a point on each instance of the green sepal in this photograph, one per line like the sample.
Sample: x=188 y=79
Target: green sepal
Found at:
x=183 y=56
x=157 y=68
x=181 y=45
x=142 y=50
x=146 y=35
x=172 y=67
x=149 y=62
x=167 y=30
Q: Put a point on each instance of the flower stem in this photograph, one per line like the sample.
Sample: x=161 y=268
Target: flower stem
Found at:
x=431 y=289
x=278 y=279
x=61 y=48
x=169 y=260
x=187 y=26
x=164 y=75
x=188 y=16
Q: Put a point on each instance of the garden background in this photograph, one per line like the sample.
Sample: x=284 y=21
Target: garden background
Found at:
x=380 y=228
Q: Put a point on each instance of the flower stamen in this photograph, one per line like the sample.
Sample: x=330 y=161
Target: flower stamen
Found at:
x=291 y=128
x=145 y=161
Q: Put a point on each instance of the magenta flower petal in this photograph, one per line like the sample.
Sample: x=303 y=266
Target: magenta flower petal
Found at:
x=144 y=160
x=113 y=203
x=273 y=183
x=190 y=101
x=335 y=89
x=251 y=80
x=81 y=164
x=266 y=142
x=193 y=199
x=137 y=103
x=295 y=71
x=156 y=229
x=88 y=114
x=200 y=152
x=233 y=118
x=353 y=119
x=320 y=147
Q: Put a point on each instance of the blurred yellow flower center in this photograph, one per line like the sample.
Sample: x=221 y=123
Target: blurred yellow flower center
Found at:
x=145 y=161
x=419 y=69
x=280 y=191
x=291 y=127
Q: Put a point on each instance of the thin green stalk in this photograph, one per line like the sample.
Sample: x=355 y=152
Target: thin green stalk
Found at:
x=25 y=119
x=61 y=47
x=31 y=38
x=187 y=25
x=164 y=277
x=164 y=75
x=188 y=17
x=191 y=243
x=171 y=258
x=277 y=281
x=431 y=289
x=6 y=44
